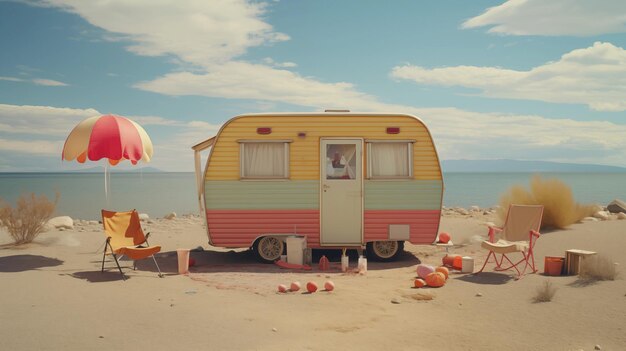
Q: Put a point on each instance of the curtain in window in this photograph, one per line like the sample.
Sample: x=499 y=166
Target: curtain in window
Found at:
x=264 y=160
x=389 y=160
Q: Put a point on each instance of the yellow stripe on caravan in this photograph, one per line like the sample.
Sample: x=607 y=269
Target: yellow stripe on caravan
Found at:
x=304 y=152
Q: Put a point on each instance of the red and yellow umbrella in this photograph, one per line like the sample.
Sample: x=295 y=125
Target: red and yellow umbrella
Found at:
x=113 y=137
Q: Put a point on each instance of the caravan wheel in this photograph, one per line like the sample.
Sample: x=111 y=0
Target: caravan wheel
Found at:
x=384 y=250
x=268 y=249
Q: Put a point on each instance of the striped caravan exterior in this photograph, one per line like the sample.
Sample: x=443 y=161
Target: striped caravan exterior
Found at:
x=241 y=210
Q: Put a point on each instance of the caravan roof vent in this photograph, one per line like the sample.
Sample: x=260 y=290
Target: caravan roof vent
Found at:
x=336 y=110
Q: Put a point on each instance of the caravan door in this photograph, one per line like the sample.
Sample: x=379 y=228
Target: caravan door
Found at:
x=341 y=187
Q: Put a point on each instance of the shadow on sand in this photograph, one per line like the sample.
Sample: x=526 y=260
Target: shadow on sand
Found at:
x=21 y=263
x=245 y=261
x=99 y=277
x=487 y=278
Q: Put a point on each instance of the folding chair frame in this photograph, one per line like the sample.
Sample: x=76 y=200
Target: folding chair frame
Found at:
x=527 y=256
x=108 y=246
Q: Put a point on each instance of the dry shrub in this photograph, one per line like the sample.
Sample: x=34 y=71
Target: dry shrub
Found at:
x=545 y=292
x=560 y=209
x=27 y=219
x=598 y=267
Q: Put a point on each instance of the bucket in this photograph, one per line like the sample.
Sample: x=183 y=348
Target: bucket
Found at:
x=467 y=265
x=183 y=260
x=454 y=261
x=295 y=249
x=553 y=265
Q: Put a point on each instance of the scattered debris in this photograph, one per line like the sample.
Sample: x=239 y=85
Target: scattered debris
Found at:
x=419 y=297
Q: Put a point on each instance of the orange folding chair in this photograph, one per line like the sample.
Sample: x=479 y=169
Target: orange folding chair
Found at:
x=125 y=237
x=518 y=234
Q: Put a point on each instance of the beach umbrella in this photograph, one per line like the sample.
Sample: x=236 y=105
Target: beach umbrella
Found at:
x=109 y=137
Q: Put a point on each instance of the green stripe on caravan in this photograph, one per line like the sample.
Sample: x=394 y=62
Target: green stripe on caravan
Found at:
x=265 y=195
x=304 y=195
x=403 y=195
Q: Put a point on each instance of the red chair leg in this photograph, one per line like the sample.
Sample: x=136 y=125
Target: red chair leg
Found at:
x=487 y=260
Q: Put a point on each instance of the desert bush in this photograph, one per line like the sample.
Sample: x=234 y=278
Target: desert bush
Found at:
x=598 y=267
x=27 y=219
x=560 y=209
x=545 y=292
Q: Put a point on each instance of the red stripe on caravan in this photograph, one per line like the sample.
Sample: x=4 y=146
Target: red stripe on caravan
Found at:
x=423 y=223
x=239 y=228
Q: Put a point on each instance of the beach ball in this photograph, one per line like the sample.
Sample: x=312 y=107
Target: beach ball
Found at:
x=423 y=270
x=282 y=288
x=311 y=287
x=419 y=283
x=295 y=286
x=444 y=271
x=329 y=285
x=435 y=279
x=444 y=237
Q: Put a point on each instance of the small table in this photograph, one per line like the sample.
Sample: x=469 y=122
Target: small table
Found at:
x=574 y=258
x=447 y=245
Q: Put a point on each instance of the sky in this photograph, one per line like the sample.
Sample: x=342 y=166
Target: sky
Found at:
x=518 y=79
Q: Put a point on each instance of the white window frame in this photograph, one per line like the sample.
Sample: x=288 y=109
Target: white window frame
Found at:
x=409 y=145
x=242 y=145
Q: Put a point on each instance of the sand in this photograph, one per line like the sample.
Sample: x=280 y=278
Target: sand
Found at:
x=54 y=297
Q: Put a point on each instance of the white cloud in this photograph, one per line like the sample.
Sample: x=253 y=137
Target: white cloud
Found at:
x=473 y=135
x=34 y=147
x=241 y=80
x=12 y=79
x=41 y=120
x=154 y=120
x=197 y=31
x=37 y=81
x=212 y=35
x=49 y=82
x=41 y=130
x=595 y=76
x=457 y=134
x=553 y=17
x=270 y=61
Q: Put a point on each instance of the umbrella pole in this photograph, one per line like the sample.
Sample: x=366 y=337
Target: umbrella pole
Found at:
x=106 y=183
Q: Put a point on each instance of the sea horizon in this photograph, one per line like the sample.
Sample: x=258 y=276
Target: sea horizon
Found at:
x=82 y=195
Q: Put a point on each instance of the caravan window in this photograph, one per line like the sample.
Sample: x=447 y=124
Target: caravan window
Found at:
x=264 y=160
x=389 y=160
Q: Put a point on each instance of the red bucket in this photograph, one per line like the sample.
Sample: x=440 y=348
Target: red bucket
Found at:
x=454 y=261
x=553 y=265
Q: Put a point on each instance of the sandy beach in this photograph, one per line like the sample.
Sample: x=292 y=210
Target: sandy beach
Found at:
x=54 y=297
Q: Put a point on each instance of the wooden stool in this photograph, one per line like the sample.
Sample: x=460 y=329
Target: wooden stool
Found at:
x=573 y=260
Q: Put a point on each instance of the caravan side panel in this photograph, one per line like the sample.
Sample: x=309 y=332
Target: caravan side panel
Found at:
x=238 y=210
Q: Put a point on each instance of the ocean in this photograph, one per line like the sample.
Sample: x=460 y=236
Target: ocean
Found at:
x=82 y=195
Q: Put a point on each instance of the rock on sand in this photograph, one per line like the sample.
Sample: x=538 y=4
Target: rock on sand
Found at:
x=61 y=222
x=616 y=206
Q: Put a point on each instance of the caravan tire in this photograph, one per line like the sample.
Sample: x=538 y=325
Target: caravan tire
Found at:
x=384 y=251
x=268 y=248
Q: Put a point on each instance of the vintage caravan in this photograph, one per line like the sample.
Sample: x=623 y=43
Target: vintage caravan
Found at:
x=339 y=179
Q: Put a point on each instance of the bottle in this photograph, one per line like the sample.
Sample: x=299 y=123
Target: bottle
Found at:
x=344 y=263
x=323 y=264
x=362 y=265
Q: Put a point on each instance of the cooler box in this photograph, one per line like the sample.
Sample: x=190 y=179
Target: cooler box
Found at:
x=295 y=249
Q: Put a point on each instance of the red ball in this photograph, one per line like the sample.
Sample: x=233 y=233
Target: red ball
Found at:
x=444 y=237
x=311 y=287
x=192 y=262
